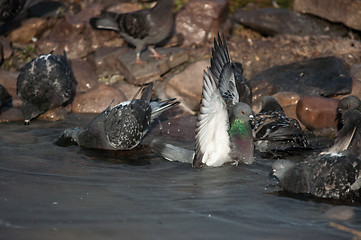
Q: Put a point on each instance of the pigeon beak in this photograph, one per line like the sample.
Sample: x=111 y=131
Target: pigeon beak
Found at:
x=251 y=117
x=27 y=122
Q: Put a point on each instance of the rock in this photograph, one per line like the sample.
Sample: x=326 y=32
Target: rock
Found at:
x=84 y=75
x=342 y=213
x=97 y=99
x=187 y=85
x=55 y=114
x=11 y=115
x=317 y=112
x=30 y=28
x=8 y=81
x=124 y=8
x=287 y=98
x=355 y=72
x=344 y=11
x=7 y=50
x=272 y=21
x=319 y=76
x=152 y=70
x=128 y=89
x=106 y=60
x=201 y=20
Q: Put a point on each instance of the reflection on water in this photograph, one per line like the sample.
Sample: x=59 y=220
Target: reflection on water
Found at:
x=50 y=192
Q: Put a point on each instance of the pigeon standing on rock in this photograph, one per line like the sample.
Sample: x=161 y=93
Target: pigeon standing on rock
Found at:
x=334 y=174
x=44 y=83
x=275 y=134
x=223 y=130
x=350 y=102
x=143 y=28
x=121 y=127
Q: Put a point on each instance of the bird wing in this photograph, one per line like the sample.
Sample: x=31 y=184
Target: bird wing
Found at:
x=135 y=24
x=212 y=139
x=224 y=76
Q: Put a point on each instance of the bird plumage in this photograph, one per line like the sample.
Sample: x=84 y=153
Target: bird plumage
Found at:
x=44 y=83
x=143 y=28
x=121 y=127
x=276 y=134
x=350 y=102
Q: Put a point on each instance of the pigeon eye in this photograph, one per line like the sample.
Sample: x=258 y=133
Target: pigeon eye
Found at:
x=348 y=105
x=346 y=120
x=242 y=112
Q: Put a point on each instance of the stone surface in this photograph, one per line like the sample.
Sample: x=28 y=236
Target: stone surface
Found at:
x=7 y=50
x=287 y=98
x=355 y=72
x=201 y=20
x=152 y=69
x=344 y=11
x=97 y=100
x=30 y=28
x=106 y=60
x=319 y=76
x=272 y=21
x=128 y=89
x=84 y=75
x=317 y=112
x=8 y=80
x=11 y=115
x=55 y=114
x=187 y=85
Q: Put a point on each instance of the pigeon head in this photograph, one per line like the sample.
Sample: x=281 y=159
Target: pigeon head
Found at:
x=241 y=111
x=348 y=103
x=30 y=111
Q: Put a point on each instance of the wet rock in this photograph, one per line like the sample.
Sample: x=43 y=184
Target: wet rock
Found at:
x=97 y=99
x=8 y=81
x=11 y=115
x=30 y=29
x=272 y=21
x=317 y=112
x=152 y=70
x=84 y=75
x=342 y=213
x=319 y=76
x=124 y=8
x=55 y=114
x=7 y=50
x=187 y=85
x=201 y=20
x=287 y=98
x=344 y=11
x=355 y=72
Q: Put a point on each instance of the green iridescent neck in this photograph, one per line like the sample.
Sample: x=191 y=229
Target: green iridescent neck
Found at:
x=238 y=128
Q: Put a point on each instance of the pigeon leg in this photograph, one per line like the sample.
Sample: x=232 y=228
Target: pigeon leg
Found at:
x=155 y=54
x=138 y=61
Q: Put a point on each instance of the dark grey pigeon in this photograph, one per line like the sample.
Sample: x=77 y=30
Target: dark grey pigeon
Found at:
x=44 y=83
x=10 y=9
x=143 y=28
x=349 y=136
x=350 y=102
x=334 y=176
x=229 y=75
x=121 y=127
x=274 y=133
x=335 y=173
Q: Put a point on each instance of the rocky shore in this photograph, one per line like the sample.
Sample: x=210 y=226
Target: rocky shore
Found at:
x=303 y=56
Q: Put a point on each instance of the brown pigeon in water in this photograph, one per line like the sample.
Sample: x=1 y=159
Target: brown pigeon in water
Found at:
x=143 y=28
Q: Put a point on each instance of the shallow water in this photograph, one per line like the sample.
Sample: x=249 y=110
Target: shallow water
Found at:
x=51 y=192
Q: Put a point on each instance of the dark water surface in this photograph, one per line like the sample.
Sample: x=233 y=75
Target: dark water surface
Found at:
x=51 y=192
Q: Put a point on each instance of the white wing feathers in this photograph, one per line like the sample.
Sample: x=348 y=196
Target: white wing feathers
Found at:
x=212 y=126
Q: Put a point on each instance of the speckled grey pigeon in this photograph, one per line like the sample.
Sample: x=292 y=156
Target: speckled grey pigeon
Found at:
x=350 y=102
x=229 y=75
x=274 y=133
x=223 y=130
x=44 y=83
x=143 y=28
x=121 y=127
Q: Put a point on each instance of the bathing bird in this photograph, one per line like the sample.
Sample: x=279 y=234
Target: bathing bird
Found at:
x=223 y=130
x=143 y=28
x=274 y=133
x=334 y=174
x=121 y=127
x=44 y=83
x=350 y=102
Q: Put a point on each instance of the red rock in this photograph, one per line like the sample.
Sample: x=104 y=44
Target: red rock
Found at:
x=7 y=50
x=31 y=28
x=201 y=20
x=55 y=114
x=84 y=75
x=11 y=115
x=97 y=100
x=287 y=98
x=317 y=112
x=8 y=80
